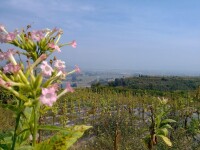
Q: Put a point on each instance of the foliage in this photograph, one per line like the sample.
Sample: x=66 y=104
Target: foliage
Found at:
x=157 y=83
x=64 y=139
x=121 y=119
x=34 y=86
x=159 y=127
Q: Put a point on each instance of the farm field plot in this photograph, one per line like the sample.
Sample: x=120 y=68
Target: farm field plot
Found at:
x=124 y=118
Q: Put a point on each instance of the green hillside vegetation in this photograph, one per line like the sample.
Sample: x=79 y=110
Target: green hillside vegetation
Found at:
x=158 y=83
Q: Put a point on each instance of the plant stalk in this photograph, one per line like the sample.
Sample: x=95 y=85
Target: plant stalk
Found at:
x=16 y=127
x=36 y=119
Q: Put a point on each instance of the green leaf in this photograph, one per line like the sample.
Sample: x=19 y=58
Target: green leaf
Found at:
x=24 y=130
x=52 y=128
x=167 y=121
x=5 y=140
x=168 y=126
x=162 y=131
x=25 y=147
x=38 y=81
x=158 y=120
x=166 y=140
x=6 y=137
x=63 y=139
x=147 y=139
x=3 y=147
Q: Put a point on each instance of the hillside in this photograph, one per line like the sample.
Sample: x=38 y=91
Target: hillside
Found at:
x=159 y=83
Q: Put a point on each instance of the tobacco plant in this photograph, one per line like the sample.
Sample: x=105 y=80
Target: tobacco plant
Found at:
x=35 y=84
x=159 y=124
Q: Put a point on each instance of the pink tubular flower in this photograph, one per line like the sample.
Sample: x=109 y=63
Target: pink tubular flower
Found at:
x=2 y=56
x=60 y=31
x=2 y=38
x=6 y=55
x=60 y=65
x=55 y=86
x=48 y=96
x=69 y=88
x=73 y=44
x=54 y=46
x=46 y=69
x=9 y=53
x=2 y=28
x=10 y=68
x=2 y=82
x=77 y=69
x=55 y=29
x=10 y=36
x=3 y=34
x=8 y=84
x=7 y=36
x=43 y=56
x=37 y=35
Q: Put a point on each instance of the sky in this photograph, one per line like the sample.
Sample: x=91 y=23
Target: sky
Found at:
x=150 y=35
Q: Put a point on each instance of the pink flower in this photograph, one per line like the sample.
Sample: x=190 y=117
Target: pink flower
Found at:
x=2 y=56
x=69 y=88
x=10 y=68
x=60 y=65
x=46 y=69
x=60 y=31
x=2 y=82
x=37 y=35
x=48 y=96
x=43 y=56
x=54 y=46
x=10 y=36
x=2 y=28
x=6 y=55
x=77 y=69
x=2 y=38
x=9 y=53
x=73 y=44
x=55 y=29
x=55 y=86
x=8 y=84
x=7 y=36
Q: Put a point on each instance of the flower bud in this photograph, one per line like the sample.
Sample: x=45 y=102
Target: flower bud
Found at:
x=28 y=103
x=38 y=82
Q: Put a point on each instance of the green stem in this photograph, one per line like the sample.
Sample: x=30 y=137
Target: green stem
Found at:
x=16 y=127
x=36 y=119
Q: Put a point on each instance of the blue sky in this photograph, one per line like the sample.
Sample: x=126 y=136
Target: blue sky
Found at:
x=150 y=35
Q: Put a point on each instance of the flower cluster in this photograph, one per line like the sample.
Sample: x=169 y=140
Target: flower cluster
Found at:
x=54 y=46
x=38 y=44
x=11 y=68
x=49 y=95
x=37 y=35
x=35 y=42
x=34 y=82
x=6 y=55
x=7 y=36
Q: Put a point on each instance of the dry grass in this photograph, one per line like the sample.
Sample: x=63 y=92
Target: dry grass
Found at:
x=6 y=119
